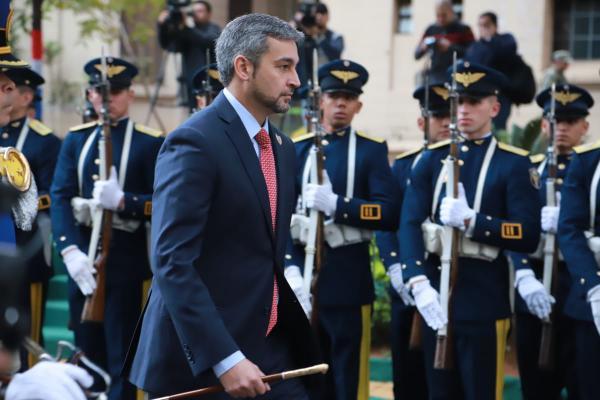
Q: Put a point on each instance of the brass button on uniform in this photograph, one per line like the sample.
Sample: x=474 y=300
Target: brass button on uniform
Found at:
x=5 y=135
x=561 y=166
x=559 y=181
x=464 y=148
x=95 y=177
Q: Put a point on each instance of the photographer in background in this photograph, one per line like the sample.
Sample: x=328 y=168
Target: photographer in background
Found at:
x=191 y=37
x=443 y=38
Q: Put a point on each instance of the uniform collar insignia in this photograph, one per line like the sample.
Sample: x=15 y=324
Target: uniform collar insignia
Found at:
x=344 y=76
x=468 y=78
x=565 y=98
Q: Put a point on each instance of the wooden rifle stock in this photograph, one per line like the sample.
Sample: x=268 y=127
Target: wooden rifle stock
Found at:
x=93 y=308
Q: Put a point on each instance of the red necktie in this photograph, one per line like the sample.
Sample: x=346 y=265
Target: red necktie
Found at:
x=267 y=165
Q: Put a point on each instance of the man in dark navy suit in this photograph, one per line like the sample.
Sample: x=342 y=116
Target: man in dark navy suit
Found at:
x=220 y=308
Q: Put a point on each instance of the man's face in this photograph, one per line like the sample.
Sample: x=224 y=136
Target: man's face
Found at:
x=200 y=13
x=119 y=101
x=444 y=15
x=439 y=127
x=339 y=109
x=7 y=90
x=487 y=29
x=561 y=65
x=22 y=98
x=569 y=132
x=274 y=78
x=475 y=115
x=322 y=20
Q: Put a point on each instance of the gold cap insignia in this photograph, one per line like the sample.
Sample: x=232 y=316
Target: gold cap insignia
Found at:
x=111 y=70
x=468 y=78
x=213 y=73
x=345 y=76
x=440 y=91
x=565 y=98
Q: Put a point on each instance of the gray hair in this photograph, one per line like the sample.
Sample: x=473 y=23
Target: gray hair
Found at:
x=247 y=36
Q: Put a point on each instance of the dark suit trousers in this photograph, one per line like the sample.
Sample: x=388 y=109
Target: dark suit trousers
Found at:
x=587 y=359
x=279 y=360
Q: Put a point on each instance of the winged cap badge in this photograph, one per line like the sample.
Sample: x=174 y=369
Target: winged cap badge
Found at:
x=468 y=78
x=213 y=73
x=345 y=76
x=440 y=91
x=111 y=70
x=565 y=98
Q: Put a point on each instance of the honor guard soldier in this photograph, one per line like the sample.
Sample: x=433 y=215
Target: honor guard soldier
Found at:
x=534 y=303
x=408 y=368
x=207 y=85
x=578 y=234
x=76 y=193
x=40 y=146
x=496 y=209
x=357 y=196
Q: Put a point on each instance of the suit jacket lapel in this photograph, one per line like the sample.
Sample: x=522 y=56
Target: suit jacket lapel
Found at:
x=237 y=134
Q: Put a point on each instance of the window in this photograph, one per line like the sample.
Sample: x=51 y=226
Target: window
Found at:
x=577 y=28
x=404 y=16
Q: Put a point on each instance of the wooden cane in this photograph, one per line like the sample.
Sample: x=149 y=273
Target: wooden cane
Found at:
x=282 y=376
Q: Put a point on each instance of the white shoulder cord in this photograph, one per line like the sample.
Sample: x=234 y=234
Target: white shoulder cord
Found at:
x=124 y=155
x=23 y=135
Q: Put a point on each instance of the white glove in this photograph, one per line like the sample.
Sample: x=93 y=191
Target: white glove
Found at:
x=108 y=193
x=79 y=267
x=538 y=300
x=50 y=381
x=296 y=282
x=427 y=300
x=594 y=299
x=321 y=197
x=395 y=274
x=454 y=212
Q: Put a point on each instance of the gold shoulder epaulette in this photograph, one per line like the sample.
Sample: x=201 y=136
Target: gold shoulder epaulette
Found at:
x=537 y=158
x=513 y=149
x=409 y=153
x=81 y=127
x=303 y=137
x=148 y=131
x=39 y=128
x=374 y=139
x=439 y=144
x=586 y=147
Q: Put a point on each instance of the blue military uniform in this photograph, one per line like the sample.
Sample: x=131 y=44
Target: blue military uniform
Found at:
x=41 y=147
x=408 y=366
x=345 y=288
x=135 y=148
x=537 y=383
x=578 y=215
x=506 y=209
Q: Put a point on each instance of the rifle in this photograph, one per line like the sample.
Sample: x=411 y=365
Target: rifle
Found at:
x=313 y=260
x=415 y=340
x=545 y=359
x=206 y=86
x=93 y=308
x=444 y=357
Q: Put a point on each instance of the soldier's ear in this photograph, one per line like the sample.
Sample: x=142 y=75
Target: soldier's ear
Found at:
x=360 y=104
x=421 y=123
